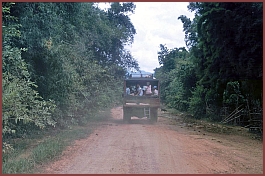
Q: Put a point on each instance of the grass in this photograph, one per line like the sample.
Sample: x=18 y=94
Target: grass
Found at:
x=35 y=150
x=48 y=150
x=23 y=165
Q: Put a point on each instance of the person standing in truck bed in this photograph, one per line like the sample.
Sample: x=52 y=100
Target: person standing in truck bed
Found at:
x=148 y=90
x=128 y=91
x=139 y=91
x=155 y=91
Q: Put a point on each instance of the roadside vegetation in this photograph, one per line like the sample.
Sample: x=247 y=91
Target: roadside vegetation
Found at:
x=219 y=76
x=62 y=63
x=30 y=153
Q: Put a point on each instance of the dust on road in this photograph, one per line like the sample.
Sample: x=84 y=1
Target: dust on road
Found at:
x=145 y=148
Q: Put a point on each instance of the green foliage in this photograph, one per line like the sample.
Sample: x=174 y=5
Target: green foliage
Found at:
x=62 y=62
x=224 y=43
x=25 y=155
x=232 y=94
x=197 y=102
x=175 y=96
x=176 y=76
x=6 y=148
x=225 y=64
x=21 y=102
x=46 y=151
x=18 y=166
x=190 y=29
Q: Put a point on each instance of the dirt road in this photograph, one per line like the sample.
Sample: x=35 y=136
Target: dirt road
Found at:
x=142 y=147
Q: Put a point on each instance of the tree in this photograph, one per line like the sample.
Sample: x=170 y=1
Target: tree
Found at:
x=225 y=50
x=74 y=52
x=177 y=77
x=22 y=106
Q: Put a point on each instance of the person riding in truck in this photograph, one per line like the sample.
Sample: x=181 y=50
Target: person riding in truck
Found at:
x=139 y=91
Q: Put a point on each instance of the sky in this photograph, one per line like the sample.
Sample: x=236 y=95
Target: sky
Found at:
x=156 y=23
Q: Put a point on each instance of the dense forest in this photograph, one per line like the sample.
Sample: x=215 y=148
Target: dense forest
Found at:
x=220 y=72
x=61 y=63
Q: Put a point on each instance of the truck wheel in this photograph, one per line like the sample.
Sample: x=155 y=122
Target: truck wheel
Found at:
x=153 y=115
x=126 y=115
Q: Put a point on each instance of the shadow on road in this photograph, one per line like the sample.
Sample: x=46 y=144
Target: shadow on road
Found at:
x=117 y=118
x=134 y=120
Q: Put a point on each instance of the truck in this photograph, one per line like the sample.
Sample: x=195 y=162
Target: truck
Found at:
x=146 y=105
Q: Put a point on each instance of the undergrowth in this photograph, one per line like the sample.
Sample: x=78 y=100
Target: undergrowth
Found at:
x=37 y=149
x=209 y=125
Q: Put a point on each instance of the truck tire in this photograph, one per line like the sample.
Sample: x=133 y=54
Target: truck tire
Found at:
x=153 y=114
x=126 y=115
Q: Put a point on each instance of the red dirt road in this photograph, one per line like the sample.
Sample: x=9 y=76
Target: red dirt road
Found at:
x=160 y=148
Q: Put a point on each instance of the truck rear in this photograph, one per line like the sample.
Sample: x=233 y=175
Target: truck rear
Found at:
x=145 y=105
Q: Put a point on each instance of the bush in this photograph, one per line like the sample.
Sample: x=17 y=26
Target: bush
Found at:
x=197 y=102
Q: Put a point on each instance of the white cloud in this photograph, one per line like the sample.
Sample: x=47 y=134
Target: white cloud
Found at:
x=156 y=23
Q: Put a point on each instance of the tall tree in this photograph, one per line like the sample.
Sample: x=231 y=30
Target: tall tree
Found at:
x=74 y=51
x=23 y=107
x=177 y=76
x=224 y=42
